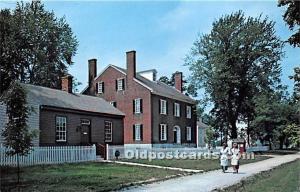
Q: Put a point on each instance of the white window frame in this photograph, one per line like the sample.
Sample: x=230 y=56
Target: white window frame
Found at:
x=108 y=130
x=120 y=84
x=163 y=132
x=112 y=103
x=188 y=133
x=137 y=130
x=137 y=106
x=188 y=112
x=100 y=87
x=61 y=129
x=177 y=109
x=163 y=107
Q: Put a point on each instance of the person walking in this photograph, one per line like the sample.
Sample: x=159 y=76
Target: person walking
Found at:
x=224 y=155
x=235 y=157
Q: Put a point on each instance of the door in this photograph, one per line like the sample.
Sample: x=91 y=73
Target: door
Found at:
x=177 y=135
x=85 y=132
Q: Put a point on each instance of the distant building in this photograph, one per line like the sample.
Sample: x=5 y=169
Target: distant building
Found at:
x=156 y=115
x=201 y=128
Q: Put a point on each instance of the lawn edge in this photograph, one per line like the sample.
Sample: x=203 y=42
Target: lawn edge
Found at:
x=241 y=182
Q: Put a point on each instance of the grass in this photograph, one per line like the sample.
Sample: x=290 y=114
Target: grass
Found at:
x=283 y=178
x=79 y=177
x=202 y=164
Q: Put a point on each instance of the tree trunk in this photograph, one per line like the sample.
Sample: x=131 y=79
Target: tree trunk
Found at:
x=233 y=130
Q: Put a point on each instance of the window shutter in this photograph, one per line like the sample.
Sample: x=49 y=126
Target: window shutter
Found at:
x=133 y=104
x=174 y=111
x=123 y=84
x=141 y=131
x=141 y=105
x=159 y=106
x=116 y=85
x=166 y=132
x=133 y=132
x=96 y=87
x=102 y=87
x=166 y=107
x=159 y=131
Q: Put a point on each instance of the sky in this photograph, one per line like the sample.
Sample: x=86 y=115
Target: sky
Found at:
x=162 y=32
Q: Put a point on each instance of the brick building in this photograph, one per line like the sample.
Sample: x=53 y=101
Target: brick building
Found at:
x=156 y=115
x=65 y=118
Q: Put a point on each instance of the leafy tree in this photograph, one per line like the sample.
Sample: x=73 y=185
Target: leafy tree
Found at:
x=188 y=89
x=292 y=19
x=273 y=113
x=237 y=59
x=292 y=132
x=36 y=46
x=16 y=134
x=209 y=136
x=296 y=78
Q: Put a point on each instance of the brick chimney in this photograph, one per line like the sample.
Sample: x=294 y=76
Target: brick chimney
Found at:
x=131 y=64
x=66 y=83
x=92 y=71
x=178 y=81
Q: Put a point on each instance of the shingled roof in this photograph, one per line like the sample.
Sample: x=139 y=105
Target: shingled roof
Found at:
x=56 y=98
x=160 y=88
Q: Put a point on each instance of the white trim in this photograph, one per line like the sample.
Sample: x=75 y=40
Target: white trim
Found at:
x=137 y=129
x=188 y=133
x=161 y=107
x=132 y=146
x=163 y=132
x=111 y=131
x=138 y=81
x=137 y=106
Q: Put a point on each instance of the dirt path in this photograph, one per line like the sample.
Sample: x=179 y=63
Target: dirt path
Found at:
x=214 y=179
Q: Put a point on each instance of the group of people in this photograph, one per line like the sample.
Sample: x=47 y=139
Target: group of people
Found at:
x=232 y=154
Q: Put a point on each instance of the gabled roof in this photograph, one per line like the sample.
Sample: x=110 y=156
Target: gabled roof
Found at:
x=159 y=88
x=56 y=98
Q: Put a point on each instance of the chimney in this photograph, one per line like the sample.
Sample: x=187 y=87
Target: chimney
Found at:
x=131 y=64
x=66 y=83
x=92 y=71
x=178 y=81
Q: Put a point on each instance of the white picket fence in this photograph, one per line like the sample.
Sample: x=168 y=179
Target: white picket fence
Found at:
x=50 y=155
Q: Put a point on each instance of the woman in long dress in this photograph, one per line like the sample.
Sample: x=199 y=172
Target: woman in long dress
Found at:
x=235 y=157
x=224 y=153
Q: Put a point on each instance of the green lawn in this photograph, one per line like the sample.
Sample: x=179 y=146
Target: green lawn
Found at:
x=202 y=164
x=283 y=178
x=79 y=177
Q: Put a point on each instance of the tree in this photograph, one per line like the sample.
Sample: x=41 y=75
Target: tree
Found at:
x=36 y=47
x=237 y=59
x=209 y=136
x=187 y=88
x=292 y=132
x=292 y=19
x=16 y=134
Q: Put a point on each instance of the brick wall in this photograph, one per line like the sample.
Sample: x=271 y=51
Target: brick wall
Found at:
x=172 y=121
x=124 y=101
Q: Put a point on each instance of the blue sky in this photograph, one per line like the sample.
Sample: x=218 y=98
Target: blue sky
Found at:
x=162 y=32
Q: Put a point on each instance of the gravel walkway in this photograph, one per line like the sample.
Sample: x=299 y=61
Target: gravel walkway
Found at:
x=214 y=179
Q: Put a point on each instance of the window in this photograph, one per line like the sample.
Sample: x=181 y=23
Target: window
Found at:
x=100 y=87
x=163 y=132
x=138 y=106
x=188 y=133
x=113 y=103
x=176 y=109
x=138 y=132
x=188 y=112
x=163 y=107
x=108 y=131
x=61 y=129
x=120 y=84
